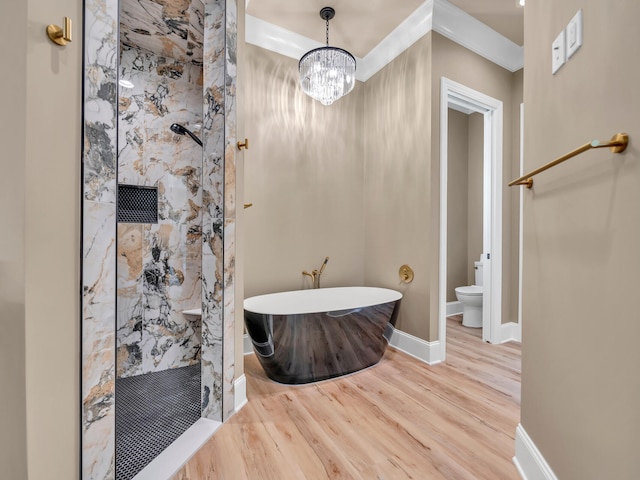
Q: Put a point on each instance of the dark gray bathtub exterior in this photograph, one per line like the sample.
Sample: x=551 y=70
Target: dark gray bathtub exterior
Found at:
x=304 y=348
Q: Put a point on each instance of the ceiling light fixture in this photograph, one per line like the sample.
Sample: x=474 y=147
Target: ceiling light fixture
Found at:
x=327 y=73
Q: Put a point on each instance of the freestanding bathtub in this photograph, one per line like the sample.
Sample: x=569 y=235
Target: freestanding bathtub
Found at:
x=309 y=335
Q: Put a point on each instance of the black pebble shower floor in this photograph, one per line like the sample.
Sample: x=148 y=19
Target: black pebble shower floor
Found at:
x=152 y=410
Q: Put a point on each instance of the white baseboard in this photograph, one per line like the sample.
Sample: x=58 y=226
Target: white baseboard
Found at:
x=510 y=332
x=428 y=352
x=247 y=348
x=240 y=392
x=454 y=308
x=528 y=460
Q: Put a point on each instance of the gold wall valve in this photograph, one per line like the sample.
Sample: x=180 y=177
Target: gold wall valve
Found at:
x=406 y=274
x=60 y=36
x=244 y=145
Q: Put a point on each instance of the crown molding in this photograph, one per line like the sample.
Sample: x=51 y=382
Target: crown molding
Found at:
x=280 y=40
x=412 y=29
x=465 y=30
x=437 y=15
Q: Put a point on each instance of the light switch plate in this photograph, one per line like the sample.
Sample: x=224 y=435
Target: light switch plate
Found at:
x=574 y=34
x=558 y=53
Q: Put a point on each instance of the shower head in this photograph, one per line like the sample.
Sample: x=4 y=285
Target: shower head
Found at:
x=324 y=264
x=181 y=130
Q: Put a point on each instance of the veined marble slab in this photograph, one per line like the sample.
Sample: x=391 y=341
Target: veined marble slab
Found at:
x=159 y=265
x=142 y=146
x=171 y=29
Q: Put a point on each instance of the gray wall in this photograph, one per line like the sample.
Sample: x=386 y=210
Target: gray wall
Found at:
x=398 y=106
x=465 y=157
x=304 y=176
x=40 y=244
x=457 y=203
x=580 y=355
x=475 y=185
x=513 y=194
x=13 y=98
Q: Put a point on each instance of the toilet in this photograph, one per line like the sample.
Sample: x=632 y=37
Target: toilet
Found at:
x=471 y=299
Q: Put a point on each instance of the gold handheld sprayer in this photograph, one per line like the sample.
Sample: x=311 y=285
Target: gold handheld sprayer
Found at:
x=315 y=274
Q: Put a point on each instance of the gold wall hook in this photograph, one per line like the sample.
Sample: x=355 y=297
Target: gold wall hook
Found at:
x=247 y=205
x=60 y=36
x=406 y=274
x=244 y=145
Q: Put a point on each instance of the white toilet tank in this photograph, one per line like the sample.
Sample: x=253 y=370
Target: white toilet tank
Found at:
x=478 y=267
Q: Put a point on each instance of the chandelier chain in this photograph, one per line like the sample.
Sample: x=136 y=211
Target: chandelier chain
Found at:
x=327 y=20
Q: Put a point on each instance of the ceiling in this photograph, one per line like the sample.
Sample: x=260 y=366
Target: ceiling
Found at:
x=360 y=25
x=174 y=28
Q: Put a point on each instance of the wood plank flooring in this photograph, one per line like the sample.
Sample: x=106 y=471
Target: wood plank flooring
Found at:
x=400 y=419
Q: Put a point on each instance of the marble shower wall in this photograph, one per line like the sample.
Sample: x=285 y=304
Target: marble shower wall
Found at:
x=168 y=28
x=101 y=52
x=99 y=239
x=159 y=265
x=230 y=213
x=213 y=210
x=219 y=212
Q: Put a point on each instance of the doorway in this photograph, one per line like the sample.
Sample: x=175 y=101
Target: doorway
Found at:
x=459 y=97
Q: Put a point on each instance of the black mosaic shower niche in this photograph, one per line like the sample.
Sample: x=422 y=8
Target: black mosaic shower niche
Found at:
x=137 y=204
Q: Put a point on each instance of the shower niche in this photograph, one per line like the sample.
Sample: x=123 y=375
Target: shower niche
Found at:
x=137 y=204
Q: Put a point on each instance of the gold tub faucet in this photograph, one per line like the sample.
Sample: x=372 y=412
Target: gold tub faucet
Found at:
x=315 y=274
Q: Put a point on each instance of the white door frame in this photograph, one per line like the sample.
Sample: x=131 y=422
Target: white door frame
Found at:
x=521 y=222
x=460 y=97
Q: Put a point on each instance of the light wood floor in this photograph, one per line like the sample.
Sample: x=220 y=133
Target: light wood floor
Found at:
x=400 y=419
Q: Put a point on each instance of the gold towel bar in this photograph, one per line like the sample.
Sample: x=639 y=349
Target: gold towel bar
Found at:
x=617 y=144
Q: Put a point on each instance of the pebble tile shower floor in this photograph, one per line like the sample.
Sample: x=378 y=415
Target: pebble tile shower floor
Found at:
x=152 y=410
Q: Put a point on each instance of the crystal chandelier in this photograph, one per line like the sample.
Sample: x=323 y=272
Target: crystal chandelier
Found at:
x=327 y=73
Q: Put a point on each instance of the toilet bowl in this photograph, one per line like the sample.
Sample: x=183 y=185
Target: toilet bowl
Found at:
x=471 y=299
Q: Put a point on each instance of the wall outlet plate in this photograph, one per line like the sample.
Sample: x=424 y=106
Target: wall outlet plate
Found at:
x=574 y=34
x=558 y=53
